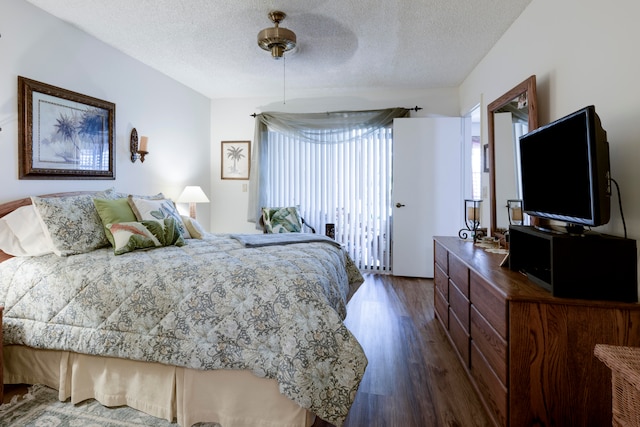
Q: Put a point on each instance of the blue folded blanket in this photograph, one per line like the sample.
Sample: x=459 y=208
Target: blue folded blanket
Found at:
x=255 y=240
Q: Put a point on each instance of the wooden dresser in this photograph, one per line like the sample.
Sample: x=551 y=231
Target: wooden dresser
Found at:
x=529 y=354
x=1 y=359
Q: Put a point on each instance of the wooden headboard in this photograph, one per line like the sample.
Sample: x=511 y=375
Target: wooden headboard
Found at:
x=8 y=207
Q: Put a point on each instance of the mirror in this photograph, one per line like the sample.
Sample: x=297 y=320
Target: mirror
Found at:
x=513 y=114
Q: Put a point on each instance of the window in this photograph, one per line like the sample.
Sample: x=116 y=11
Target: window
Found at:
x=341 y=176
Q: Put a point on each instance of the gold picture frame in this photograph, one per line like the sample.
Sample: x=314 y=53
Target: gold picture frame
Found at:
x=63 y=134
x=235 y=160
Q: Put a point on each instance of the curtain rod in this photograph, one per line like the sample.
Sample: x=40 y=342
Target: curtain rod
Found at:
x=416 y=108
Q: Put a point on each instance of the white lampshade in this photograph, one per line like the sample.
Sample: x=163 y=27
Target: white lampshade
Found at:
x=192 y=194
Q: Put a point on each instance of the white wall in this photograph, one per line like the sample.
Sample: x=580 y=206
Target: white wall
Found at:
x=582 y=52
x=231 y=121
x=176 y=119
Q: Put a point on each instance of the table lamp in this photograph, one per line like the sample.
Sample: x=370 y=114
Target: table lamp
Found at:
x=192 y=194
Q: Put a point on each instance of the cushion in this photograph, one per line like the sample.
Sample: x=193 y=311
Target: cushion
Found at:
x=9 y=242
x=106 y=194
x=196 y=231
x=72 y=223
x=152 y=209
x=113 y=211
x=282 y=220
x=129 y=236
x=139 y=196
x=21 y=233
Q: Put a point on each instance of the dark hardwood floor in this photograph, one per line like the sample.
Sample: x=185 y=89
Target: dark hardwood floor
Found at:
x=414 y=377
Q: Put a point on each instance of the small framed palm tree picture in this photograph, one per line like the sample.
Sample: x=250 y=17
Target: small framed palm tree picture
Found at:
x=236 y=159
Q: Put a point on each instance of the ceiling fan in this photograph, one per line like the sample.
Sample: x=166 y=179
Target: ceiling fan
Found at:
x=277 y=39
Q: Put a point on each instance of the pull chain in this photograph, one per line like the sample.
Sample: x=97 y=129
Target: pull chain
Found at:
x=284 y=79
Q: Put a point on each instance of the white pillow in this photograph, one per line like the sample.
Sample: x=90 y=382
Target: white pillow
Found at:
x=158 y=210
x=9 y=243
x=21 y=233
x=193 y=227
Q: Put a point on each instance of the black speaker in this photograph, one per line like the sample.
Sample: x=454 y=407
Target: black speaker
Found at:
x=330 y=230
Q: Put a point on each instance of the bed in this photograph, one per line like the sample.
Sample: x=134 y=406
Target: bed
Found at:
x=239 y=330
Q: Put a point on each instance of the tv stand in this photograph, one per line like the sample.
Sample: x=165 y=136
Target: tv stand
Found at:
x=587 y=266
x=528 y=354
x=575 y=229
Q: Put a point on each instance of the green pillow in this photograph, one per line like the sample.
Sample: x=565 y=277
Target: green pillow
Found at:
x=282 y=220
x=129 y=236
x=113 y=211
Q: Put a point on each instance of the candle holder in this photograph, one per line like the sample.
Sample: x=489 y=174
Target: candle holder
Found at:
x=138 y=151
x=514 y=211
x=471 y=220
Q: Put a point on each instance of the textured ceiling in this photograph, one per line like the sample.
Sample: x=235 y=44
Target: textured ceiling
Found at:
x=210 y=45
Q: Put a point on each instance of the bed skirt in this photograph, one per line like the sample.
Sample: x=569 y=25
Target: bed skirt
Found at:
x=232 y=398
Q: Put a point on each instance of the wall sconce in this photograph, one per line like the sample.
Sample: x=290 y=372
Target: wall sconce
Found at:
x=471 y=220
x=514 y=210
x=192 y=194
x=138 y=151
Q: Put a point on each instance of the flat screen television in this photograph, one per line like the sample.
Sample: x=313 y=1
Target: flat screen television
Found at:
x=565 y=170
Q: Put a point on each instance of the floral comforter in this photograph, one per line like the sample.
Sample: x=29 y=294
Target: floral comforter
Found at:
x=274 y=310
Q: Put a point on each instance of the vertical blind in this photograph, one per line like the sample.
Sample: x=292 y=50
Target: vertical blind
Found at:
x=345 y=182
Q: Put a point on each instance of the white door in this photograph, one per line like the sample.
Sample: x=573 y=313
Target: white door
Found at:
x=427 y=190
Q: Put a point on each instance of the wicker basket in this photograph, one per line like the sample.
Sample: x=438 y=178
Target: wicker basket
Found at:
x=624 y=363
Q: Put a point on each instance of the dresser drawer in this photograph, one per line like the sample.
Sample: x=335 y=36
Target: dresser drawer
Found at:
x=489 y=303
x=460 y=306
x=442 y=308
x=490 y=344
x=460 y=337
x=1 y=360
x=459 y=273
x=441 y=280
x=441 y=256
x=492 y=391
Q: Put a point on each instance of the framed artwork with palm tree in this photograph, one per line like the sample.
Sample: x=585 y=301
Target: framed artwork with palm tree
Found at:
x=63 y=134
x=236 y=158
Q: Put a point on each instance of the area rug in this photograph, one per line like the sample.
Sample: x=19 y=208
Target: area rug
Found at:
x=41 y=408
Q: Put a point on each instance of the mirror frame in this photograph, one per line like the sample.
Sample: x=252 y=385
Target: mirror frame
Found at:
x=528 y=86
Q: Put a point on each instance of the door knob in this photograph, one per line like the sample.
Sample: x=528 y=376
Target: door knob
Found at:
x=399 y=205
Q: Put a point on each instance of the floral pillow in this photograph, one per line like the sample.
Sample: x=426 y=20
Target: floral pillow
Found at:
x=71 y=223
x=281 y=220
x=129 y=236
x=152 y=209
x=139 y=196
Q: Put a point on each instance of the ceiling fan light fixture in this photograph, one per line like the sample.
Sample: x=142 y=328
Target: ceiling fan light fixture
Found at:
x=276 y=39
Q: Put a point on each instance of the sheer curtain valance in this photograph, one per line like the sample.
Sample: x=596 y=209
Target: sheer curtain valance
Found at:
x=314 y=128
x=332 y=126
